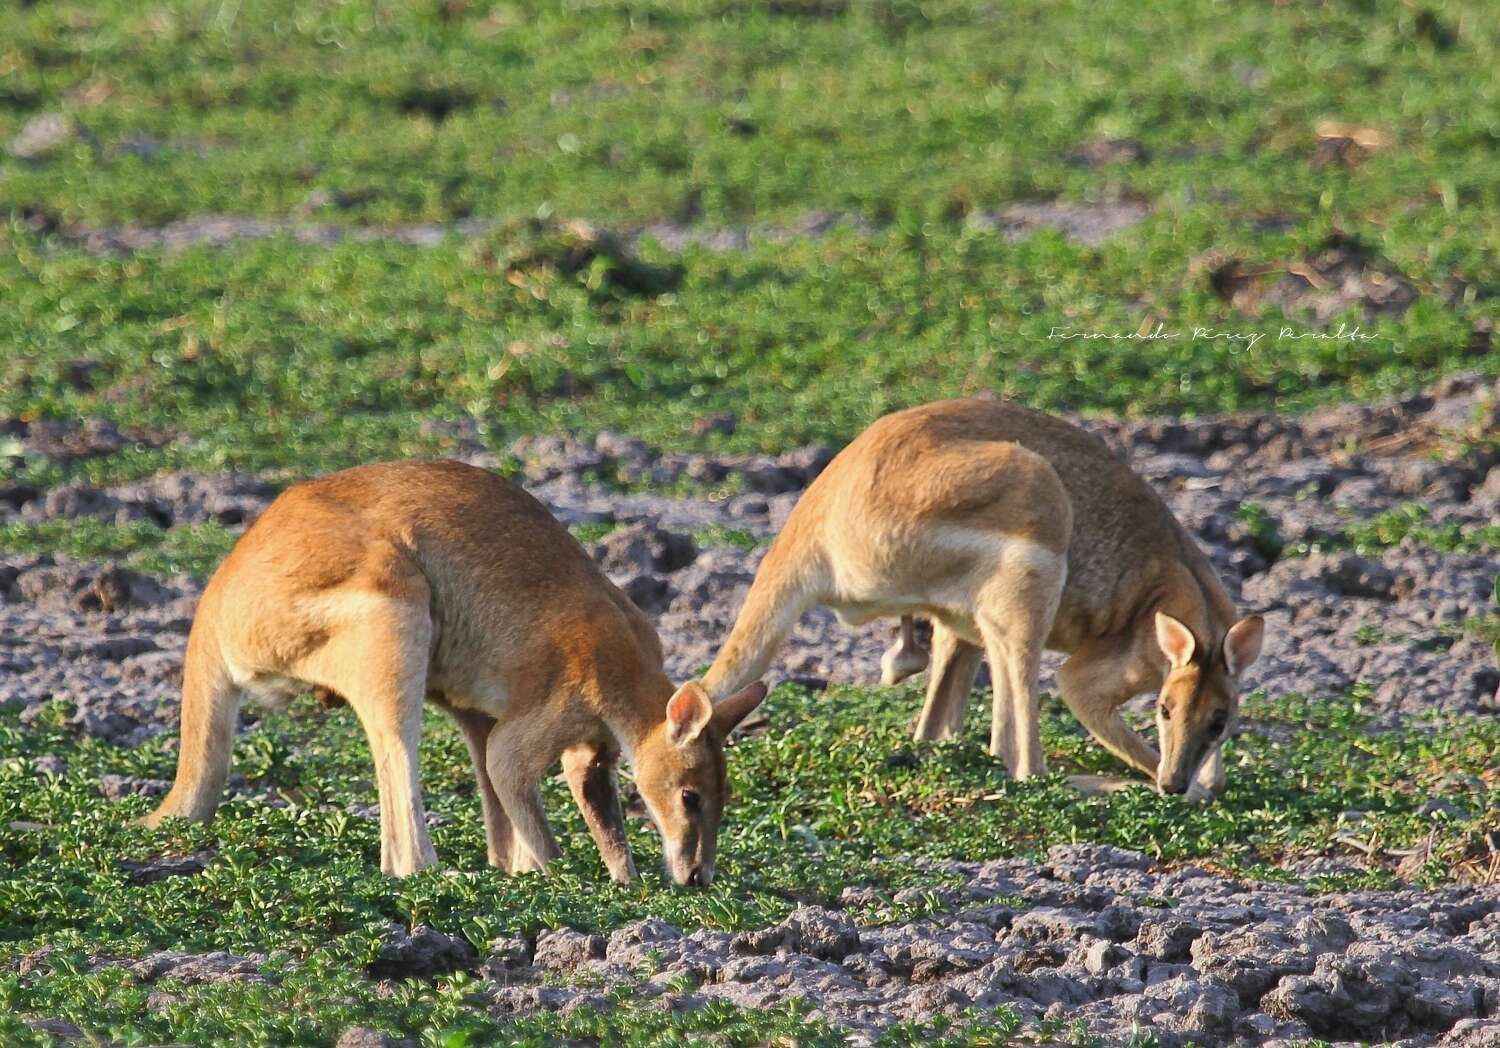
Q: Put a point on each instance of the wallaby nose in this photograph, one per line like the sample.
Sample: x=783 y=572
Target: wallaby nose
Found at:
x=1172 y=786
x=695 y=877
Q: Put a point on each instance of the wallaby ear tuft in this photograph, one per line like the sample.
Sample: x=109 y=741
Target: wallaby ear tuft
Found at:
x=688 y=713
x=729 y=713
x=1175 y=639
x=1242 y=644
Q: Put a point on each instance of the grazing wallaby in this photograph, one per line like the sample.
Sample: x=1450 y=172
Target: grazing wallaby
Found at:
x=403 y=581
x=1013 y=531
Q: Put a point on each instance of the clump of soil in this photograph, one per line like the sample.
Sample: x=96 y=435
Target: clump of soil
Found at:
x=1342 y=274
x=534 y=252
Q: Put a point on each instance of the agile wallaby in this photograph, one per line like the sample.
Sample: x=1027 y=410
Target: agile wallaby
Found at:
x=1012 y=531
x=400 y=581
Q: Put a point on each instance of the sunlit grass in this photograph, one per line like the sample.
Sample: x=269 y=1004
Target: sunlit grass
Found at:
x=832 y=795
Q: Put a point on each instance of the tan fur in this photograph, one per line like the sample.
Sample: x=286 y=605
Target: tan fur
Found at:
x=1012 y=530
x=393 y=583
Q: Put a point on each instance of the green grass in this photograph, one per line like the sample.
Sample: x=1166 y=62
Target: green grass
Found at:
x=592 y=530
x=1407 y=523
x=833 y=795
x=195 y=549
x=280 y=355
x=445 y=1015
x=711 y=535
x=732 y=110
x=275 y=354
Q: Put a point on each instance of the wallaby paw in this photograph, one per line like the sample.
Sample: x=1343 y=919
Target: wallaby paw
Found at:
x=528 y=864
x=1203 y=794
x=156 y=817
x=1101 y=784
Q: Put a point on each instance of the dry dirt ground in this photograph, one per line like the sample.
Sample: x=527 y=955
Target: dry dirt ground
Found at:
x=1236 y=963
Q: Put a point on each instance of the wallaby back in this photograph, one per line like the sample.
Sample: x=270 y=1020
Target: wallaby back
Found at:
x=1122 y=533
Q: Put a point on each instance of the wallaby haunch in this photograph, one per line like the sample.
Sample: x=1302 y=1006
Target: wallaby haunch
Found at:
x=1013 y=531
x=403 y=581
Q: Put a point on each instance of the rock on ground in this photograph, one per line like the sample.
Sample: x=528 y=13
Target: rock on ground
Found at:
x=1101 y=936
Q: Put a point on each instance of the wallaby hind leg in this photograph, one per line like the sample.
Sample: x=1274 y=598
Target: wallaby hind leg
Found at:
x=377 y=659
x=476 y=727
x=1015 y=616
x=955 y=664
x=210 y=707
x=905 y=658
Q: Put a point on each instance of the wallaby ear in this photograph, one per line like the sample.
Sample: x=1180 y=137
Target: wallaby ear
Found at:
x=1176 y=640
x=737 y=707
x=688 y=713
x=1242 y=644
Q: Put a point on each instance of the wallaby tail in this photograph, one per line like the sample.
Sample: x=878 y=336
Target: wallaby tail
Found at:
x=210 y=705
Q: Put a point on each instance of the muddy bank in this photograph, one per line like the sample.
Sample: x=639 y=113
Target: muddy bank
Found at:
x=1254 y=490
x=1094 y=936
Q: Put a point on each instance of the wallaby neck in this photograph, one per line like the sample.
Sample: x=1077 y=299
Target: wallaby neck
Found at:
x=1192 y=593
x=784 y=587
x=633 y=714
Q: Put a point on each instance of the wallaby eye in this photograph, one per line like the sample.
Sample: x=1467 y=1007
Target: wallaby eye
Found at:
x=1165 y=710
x=691 y=800
x=1218 y=724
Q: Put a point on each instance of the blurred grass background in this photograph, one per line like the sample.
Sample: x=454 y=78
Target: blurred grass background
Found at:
x=1346 y=140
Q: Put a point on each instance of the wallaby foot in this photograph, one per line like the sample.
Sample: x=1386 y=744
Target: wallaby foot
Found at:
x=1208 y=784
x=476 y=727
x=1015 y=615
x=905 y=658
x=377 y=660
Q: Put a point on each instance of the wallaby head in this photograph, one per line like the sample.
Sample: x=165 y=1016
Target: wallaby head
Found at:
x=1199 y=698
x=679 y=770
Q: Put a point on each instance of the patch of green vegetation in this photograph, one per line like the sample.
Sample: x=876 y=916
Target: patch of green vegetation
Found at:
x=1264 y=532
x=282 y=355
x=1410 y=522
x=278 y=354
x=592 y=530
x=312 y=1005
x=833 y=795
x=375 y=112
x=149 y=548
x=711 y=535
